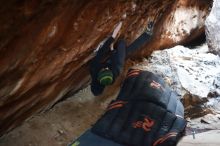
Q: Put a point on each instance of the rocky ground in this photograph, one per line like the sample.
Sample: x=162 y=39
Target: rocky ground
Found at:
x=194 y=74
x=209 y=138
x=60 y=125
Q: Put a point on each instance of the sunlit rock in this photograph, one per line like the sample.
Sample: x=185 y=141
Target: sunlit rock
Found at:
x=212 y=28
x=191 y=70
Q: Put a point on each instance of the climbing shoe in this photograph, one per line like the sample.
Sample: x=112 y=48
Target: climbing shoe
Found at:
x=105 y=77
x=149 y=29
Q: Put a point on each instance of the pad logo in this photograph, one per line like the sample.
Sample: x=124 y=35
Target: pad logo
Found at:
x=156 y=85
x=116 y=104
x=146 y=124
x=133 y=72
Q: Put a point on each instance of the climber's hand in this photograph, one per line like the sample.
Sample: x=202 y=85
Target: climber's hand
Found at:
x=116 y=30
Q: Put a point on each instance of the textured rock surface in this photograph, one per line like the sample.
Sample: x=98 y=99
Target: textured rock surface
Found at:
x=45 y=45
x=190 y=71
x=212 y=28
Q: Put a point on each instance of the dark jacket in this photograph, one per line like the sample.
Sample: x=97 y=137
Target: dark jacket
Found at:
x=114 y=60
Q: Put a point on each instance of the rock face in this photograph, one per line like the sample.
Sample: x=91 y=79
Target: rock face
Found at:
x=188 y=71
x=45 y=46
x=212 y=27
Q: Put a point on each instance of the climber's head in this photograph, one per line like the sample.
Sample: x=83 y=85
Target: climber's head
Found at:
x=105 y=77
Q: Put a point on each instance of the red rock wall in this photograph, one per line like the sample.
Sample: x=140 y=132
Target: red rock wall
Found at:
x=45 y=45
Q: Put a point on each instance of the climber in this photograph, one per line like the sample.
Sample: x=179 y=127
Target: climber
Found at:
x=146 y=112
x=109 y=60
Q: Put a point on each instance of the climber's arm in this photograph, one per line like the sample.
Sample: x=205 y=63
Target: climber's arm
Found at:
x=118 y=58
x=103 y=50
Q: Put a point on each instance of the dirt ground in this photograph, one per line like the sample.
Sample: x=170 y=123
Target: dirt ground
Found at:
x=60 y=125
